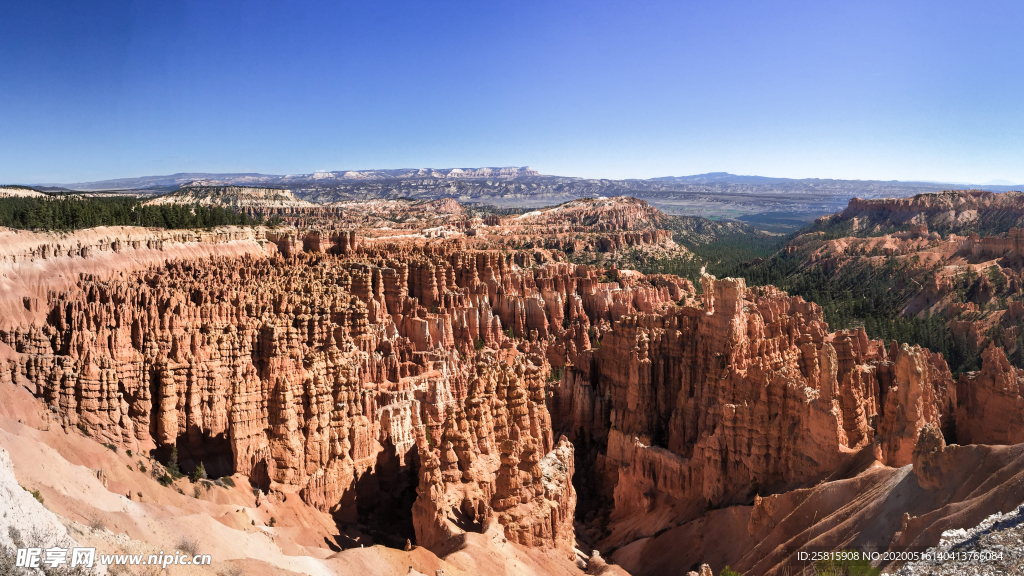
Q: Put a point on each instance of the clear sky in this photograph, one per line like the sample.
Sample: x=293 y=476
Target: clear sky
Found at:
x=865 y=89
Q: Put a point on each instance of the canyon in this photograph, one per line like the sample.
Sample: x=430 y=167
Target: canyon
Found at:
x=389 y=384
x=952 y=256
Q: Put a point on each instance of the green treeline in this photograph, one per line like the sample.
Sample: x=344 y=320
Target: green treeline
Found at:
x=868 y=296
x=65 y=212
x=730 y=255
x=872 y=297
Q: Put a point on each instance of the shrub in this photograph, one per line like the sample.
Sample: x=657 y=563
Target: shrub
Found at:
x=110 y=447
x=165 y=480
x=128 y=452
x=479 y=344
x=35 y=494
x=172 y=464
x=96 y=523
x=34 y=539
x=227 y=481
x=273 y=521
x=188 y=546
x=199 y=473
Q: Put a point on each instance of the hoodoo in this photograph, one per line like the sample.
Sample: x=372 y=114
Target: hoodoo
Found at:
x=457 y=391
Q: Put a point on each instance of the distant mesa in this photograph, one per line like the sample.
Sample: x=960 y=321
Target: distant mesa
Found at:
x=212 y=193
x=19 y=192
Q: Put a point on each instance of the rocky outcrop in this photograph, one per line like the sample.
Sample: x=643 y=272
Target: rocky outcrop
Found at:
x=605 y=225
x=20 y=192
x=24 y=521
x=292 y=242
x=930 y=458
x=211 y=194
x=921 y=394
x=994 y=545
x=595 y=214
x=580 y=228
x=534 y=497
x=316 y=215
x=492 y=460
x=991 y=407
x=991 y=247
x=431 y=510
x=33 y=263
x=747 y=394
x=967 y=272
x=952 y=211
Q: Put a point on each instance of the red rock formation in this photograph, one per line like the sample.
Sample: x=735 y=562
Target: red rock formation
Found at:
x=351 y=369
x=991 y=407
x=921 y=394
x=312 y=374
x=930 y=458
x=430 y=512
x=972 y=281
x=709 y=406
x=949 y=210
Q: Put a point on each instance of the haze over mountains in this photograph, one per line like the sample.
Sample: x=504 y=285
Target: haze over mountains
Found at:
x=182 y=178
x=782 y=202
x=505 y=173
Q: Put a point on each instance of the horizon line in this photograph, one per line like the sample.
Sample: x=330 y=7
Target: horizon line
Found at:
x=992 y=182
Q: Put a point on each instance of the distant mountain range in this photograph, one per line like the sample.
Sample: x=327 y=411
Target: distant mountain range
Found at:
x=713 y=194
x=174 y=181
x=725 y=177
x=299 y=180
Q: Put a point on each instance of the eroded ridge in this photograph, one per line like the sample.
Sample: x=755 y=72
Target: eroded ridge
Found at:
x=744 y=395
x=341 y=377
x=422 y=388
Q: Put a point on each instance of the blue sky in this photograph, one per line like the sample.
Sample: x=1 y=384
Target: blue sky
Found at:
x=870 y=90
